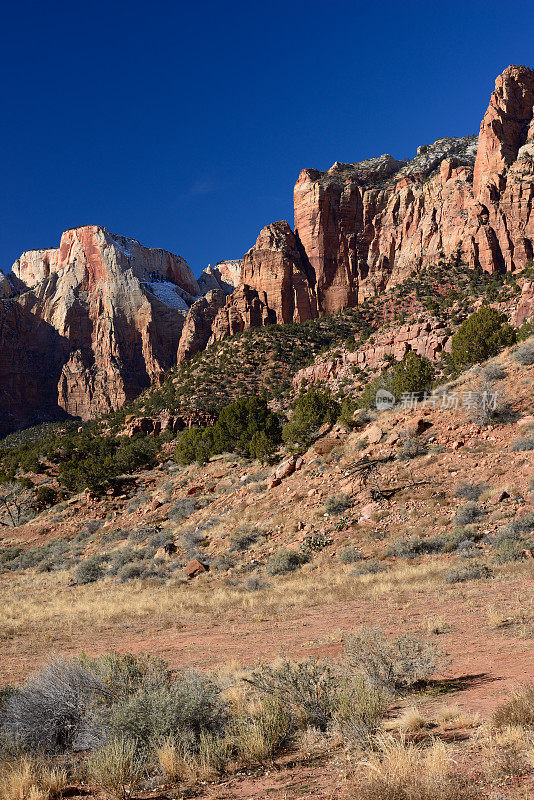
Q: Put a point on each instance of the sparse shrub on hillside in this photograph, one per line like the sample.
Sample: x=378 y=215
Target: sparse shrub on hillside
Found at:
x=412 y=546
x=392 y=663
x=413 y=375
x=338 y=504
x=369 y=567
x=472 y=572
x=284 y=561
x=89 y=570
x=469 y=491
x=484 y=334
x=51 y=712
x=311 y=409
x=244 y=537
x=350 y=554
x=308 y=688
x=526 y=330
x=494 y=372
x=45 y=496
x=411 y=446
x=522 y=444
x=468 y=513
x=524 y=354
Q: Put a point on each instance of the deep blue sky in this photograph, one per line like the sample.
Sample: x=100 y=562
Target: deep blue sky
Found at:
x=185 y=125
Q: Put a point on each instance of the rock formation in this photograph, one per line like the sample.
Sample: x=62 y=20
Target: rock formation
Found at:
x=277 y=285
x=362 y=227
x=111 y=312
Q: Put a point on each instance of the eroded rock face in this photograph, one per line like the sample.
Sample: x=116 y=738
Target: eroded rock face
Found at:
x=198 y=324
x=368 y=225
x=276 y=286
x=116 y=307
x=362 y=227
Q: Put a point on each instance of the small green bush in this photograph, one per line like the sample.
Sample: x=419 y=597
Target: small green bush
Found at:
x=468 y=513
x=89 y=570
x=483 y=335
x=472 y=572
x=310 y=410
x=469 y=491
x=350 y=554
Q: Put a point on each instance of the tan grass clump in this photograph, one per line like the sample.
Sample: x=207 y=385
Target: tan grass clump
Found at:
x=26 y=779
x=403 y=771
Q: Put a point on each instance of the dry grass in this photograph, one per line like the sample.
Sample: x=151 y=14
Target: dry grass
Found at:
x=46 y=609
x=517 y=711
x=26 y=779
x=409 y=720
x=403 y=771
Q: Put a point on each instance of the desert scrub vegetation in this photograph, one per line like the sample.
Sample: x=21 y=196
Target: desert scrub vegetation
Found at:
x=412 y=375
x=246 y=427
x=133 y=716
x=482 y=335
x=310 y=411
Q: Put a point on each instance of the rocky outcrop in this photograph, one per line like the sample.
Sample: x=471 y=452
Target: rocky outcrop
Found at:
x=31 y=357
x=198 y=324
x=225 y=276
x=276 y=286
x=525 y=306
x=427 y=339
x=362 y=227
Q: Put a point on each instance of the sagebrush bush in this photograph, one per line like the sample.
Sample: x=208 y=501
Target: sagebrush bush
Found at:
x=309 y=689
x=189 y=705
x=391 y=663
x=338 y=504
x=411 y=446
x=53 y=711
x=494 y=372
x=284 y=561
x=472 y=572
x=369 y=567
x=522 y=444
x=413 y=546
x=89 y=570
x=350 y=554
x=469 y=491
x=524 y=354
x=468 y=513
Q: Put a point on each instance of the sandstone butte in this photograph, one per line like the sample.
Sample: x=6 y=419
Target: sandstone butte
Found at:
x=88 y=325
